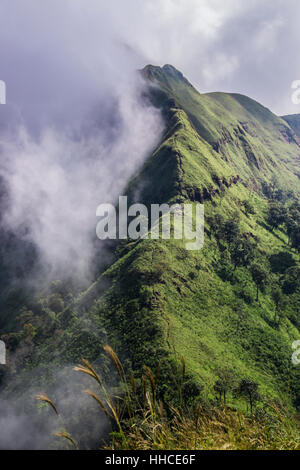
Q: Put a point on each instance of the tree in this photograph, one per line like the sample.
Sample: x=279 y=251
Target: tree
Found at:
x=216 y=223
x=292 y=280
x=225 y=383
x=281 y=261
x=226 y=230
x=280 y=305
x=249 y=390
x=242 y=253
x=295 y=238
x=259 y=275
x=248 y=207
x=290 y=225
x=231 y=231
x=292 y=220
x=276 y=215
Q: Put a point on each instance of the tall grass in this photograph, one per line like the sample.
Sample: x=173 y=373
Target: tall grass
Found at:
x=140 y=421
x=63 y=432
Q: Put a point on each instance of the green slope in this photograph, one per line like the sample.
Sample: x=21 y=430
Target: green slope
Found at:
x=222 y=149
x=254 y=141
x=158 y=301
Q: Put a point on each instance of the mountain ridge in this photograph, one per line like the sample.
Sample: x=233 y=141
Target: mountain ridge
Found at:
x=157 y=302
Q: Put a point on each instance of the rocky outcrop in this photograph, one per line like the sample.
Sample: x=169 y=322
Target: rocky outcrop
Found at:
x=208 y=193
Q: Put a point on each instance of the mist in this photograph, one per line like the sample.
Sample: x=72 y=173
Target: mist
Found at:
x=56 y=181
x=76 y=129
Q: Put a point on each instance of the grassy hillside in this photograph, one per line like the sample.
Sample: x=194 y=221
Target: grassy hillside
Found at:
x=158 y=302
x=223 y=150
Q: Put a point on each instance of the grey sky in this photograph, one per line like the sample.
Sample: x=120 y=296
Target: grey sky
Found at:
x=57 y=56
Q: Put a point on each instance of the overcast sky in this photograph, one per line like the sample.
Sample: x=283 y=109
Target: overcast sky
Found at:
x=58 y=55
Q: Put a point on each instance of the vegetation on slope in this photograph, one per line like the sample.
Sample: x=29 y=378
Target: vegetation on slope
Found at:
x=234 y=305
x=140 y=421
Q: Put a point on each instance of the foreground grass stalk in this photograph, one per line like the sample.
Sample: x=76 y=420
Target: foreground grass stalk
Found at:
x=149 y=427
x=63 y=433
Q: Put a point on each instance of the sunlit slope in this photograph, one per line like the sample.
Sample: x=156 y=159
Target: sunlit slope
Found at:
x=158 y=302
x=254 y=142
x=184 y=166
x=165 y=302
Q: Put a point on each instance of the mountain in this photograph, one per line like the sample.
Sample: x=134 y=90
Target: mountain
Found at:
x=294 y=122
x=158 y=301
x=224 y=150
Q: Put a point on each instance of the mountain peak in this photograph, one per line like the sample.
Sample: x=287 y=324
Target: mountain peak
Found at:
x=164 y=75
x=171 y=70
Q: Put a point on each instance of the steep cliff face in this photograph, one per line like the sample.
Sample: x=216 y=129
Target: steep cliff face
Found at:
x=158 y=301
x=293 y=121
x=230 y=153
x=227 y=151
x=240 y=132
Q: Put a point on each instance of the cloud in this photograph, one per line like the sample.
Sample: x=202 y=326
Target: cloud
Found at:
x=57 y=57
x=28 y=424
x=246 y=47
x=56 y=182
x=79 y=129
